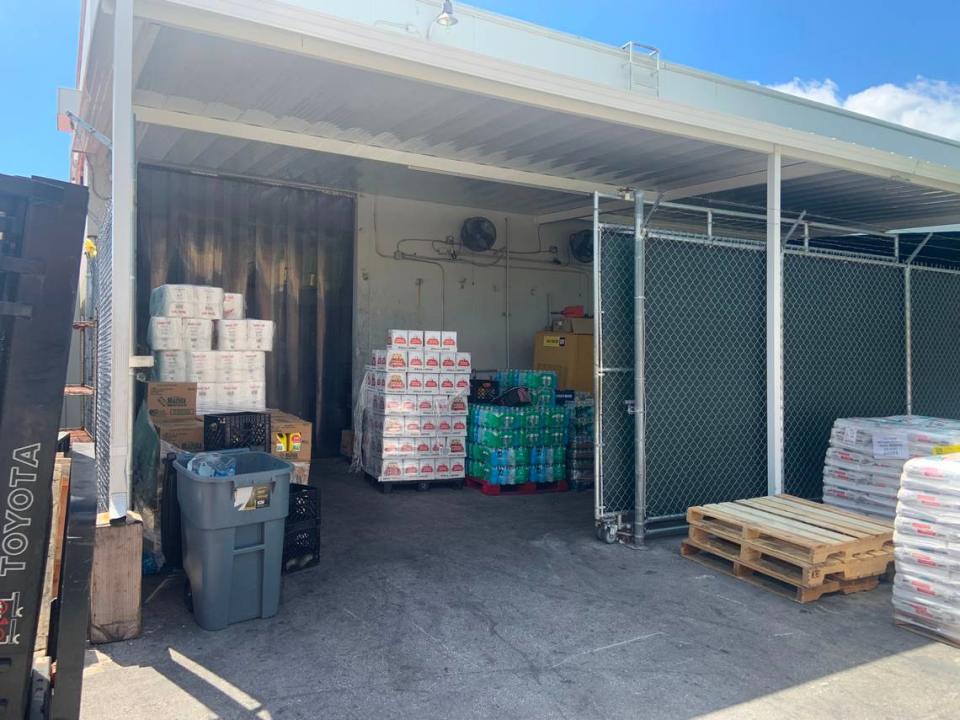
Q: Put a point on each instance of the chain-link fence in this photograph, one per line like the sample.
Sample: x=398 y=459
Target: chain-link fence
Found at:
x=615 y=382
x=844 y=355
x=705 y=372
x=934 y=297
x=102 y=292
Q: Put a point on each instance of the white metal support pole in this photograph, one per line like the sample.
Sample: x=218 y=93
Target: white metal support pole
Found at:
x=774 y=328
x=639 y=370
x=121 y=271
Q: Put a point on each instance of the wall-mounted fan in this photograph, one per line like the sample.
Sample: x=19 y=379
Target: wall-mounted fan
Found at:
x=478 y=234
x=581 y=245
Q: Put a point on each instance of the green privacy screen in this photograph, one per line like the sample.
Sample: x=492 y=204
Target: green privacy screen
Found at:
x=935 y=299
x=615 y=425
x=705 y=374
x=844 y=355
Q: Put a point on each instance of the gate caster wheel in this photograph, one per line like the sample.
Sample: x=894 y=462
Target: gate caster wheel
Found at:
x=607 y=534
x=423 y=486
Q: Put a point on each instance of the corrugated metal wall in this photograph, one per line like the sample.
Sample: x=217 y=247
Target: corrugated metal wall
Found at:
x=289 y=250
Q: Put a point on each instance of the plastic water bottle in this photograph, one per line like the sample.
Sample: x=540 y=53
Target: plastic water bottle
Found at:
x=212 y=465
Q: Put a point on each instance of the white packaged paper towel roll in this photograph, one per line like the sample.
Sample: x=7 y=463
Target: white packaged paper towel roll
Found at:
x=165 y=333
x=209 y=302
x=202 y=367
x=259 y=335
x=231 y=334
x=233 y=308
x=228 y=366
x=197 y=334
x=174 y=301
x=252 y=366
x=207 y=398
x=170 y=366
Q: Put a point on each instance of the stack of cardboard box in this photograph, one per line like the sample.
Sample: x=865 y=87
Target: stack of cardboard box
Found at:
x=414 y=408
x=186 y=321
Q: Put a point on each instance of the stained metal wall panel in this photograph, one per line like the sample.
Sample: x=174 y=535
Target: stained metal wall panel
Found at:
x=705 y=375
x=934 y=299
x=844 y=356
x=288 y=250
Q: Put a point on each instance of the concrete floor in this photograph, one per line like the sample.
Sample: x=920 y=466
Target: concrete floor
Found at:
x=449 y=604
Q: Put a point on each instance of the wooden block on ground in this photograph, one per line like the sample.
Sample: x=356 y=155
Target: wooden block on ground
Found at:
x=60 y=499
x=115 y=581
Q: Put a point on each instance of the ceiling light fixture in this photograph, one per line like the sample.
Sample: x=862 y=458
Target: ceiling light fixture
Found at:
x=446 y=18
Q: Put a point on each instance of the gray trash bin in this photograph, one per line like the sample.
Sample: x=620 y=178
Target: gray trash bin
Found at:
x=233 y=537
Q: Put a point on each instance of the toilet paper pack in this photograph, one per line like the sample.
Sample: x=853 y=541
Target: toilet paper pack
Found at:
x=232 y=335
x=173 y=301
x=165 y=333
x=209 y=302
x=202 y=367
x=197 y=334
x=259 y=335
x=228 y=366
x=233 y=308
x=170 y=366
x=252 y=366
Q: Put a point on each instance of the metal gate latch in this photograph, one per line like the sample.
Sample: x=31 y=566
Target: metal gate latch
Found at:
x=631 y=406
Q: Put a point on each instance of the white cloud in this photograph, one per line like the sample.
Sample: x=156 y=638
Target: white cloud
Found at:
x=929 y=105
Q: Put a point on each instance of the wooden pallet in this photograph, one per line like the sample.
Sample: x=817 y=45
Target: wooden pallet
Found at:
x=794 y=527
x=519 y=489
x=772 y=580
x=928 y=633
x=786 y=541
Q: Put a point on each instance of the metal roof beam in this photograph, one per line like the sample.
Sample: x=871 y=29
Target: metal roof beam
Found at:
x=411 y=160
x=324 y=36
x=790 y=172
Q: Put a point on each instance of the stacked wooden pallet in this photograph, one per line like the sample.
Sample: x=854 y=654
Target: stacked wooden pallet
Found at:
x=793 y=546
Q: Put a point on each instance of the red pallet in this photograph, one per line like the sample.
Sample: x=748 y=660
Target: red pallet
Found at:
x=522 y=489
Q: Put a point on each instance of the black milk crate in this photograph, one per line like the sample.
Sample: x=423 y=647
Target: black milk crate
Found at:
x=304 y=504
x=228 y=431
x=564 y=397
x=301 y=536
x=483 y=391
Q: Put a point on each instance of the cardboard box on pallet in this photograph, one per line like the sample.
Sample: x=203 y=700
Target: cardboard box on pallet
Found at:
x=185 y=433
x=291 y=428
x=171 y=400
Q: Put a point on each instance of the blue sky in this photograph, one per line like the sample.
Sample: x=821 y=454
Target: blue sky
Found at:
x=863 y=55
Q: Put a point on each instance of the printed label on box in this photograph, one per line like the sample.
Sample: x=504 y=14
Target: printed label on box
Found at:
x=462 y=384
x=393 y=468
x=409 y=404
x=425 y=404
x=448 y=382
x=391 y=446
x=431 y=359
x=444 y=423
x=396 y=360
x=458 y=405
x=411 y=469
x=457 y=466
x=431 y=383
x=464 y=364
x=415 y=382
x=423 y=445
x=395 y=382
x=393 y=426
x=412 y=424
x=442 y=404
x=415 y=359
x=432 y=339
x=415 y=339
x=443 y=465
x=428 y=425
x=392 y=404
x=397 y=339
x=380 y=359
x=438 y=445
x=448 y=361
x=408 y=445
x=448 y=340
x=456 y=446
x=459 y=423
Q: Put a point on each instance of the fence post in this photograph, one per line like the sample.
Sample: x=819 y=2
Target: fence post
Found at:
x=774 y=328
x=639 y=357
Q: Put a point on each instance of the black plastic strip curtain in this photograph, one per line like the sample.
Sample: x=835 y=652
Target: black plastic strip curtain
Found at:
x=288 y=250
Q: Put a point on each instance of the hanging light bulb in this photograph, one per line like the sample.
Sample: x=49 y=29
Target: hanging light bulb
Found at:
x=446 y=18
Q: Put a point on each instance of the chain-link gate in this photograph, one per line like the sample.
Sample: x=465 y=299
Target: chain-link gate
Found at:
x=614 y=376
x=102 y=291
x=843 y=338
x=705 y=373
